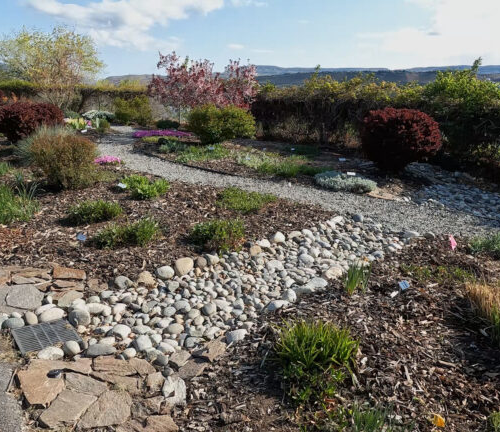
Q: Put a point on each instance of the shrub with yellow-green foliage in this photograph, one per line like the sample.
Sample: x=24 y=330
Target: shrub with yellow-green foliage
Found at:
x=485 y=300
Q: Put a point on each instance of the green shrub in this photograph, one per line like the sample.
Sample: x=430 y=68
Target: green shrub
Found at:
x=137 y=110
x=71 y=114
x=136 y=234
x=343 y=182
x=101 y=124
x=243 y=201
x=219 y=235
x=142 y=188
x=43 y=133
x=214 y=125
x=203 y=153
x=357 y=277
x=16 y=207
x=489 y=245
x=67 y=161
x=93 y=211
x=314 y=358
x=97 y=114
x=167 y=124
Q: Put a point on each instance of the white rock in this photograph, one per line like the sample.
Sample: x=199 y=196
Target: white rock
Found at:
x=51 y=353
x=71 y=348
x=51 y=315
x=236 y=336
x=165 y=272
x=279 y=237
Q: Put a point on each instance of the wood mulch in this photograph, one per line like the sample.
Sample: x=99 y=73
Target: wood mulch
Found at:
x=421 y=352
x=48 y=238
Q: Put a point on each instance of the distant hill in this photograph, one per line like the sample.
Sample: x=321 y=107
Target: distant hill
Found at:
x=283 y=77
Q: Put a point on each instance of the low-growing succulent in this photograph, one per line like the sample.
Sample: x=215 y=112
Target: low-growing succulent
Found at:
x=343 y=182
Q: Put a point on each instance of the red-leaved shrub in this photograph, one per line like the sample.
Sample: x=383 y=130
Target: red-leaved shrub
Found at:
x=393 y=138
x=20 y=119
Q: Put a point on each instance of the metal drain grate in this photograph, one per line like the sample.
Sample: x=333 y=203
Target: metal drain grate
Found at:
x=39 y=336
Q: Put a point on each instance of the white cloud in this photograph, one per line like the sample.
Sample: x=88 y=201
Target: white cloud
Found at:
x=235 y=46
x=458 y=32
x=126 y=23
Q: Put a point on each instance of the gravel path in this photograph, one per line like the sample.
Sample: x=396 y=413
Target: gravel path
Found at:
x=395 y=215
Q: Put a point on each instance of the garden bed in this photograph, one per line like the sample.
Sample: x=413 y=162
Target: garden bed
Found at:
x=421 y=352
x=48 y=237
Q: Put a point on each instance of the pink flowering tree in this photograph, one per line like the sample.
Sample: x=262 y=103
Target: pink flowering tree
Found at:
x=187 y=83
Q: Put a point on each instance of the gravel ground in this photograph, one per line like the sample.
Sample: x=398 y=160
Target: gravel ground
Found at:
x=394 y=215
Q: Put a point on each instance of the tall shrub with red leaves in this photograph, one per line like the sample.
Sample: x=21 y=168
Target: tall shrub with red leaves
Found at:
x=20 y=119
x=393 y=138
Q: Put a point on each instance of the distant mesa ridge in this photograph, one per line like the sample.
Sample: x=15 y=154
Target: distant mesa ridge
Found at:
x=287 y=76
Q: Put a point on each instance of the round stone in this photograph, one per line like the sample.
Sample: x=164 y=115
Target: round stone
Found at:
x=209 y=309
x=51 y=353
x=13 y=323
x=143 y=343
x=236 y=336
x=175 y=328
x=98 y=349
x=51 y=315
x=129 y=353
x=121 y=330
x=71 y=348
x=79 y=317
x=183 y=266
x=30 y=318
x=165 y=272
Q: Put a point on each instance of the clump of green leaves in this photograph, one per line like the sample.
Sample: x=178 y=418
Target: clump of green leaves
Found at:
x=93 y=211
x=142 y=188
x=135 y=110
x=375 y=420
x=16 y=204
x=274 y=164
x=439 y=274
x=203 y=153
x=494 y=421
x=342 y=182
x=5 y=168
x=136 y=234
x=243 y=201
x=357 y=277
x=171 y=145
x=489 y=245
x=314 y=358
x=219 y=235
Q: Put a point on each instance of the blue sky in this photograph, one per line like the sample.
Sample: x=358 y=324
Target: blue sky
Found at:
x=332 y=33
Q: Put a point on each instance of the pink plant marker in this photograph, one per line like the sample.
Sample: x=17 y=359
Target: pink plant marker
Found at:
x=453 y=242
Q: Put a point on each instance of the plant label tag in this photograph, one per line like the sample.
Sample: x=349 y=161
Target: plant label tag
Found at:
x=453 y=243
x=81 y=237
x=404 y=285
x=342 y=159
x=394 y=294
x=122 y=185
x=83 y=131
x=350 y=173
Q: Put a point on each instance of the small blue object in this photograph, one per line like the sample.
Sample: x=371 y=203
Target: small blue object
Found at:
x=122 y=185
x=81 y=237
x=404 y=285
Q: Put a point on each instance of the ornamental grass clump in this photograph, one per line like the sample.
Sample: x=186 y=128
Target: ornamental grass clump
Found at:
x=485 y=300
x=93 y=211
x=219 y=235
x=489 y=245
x=314 y=358
x=345 y=183
x=142 y=188
x=17 y=204
x=242 y=201
x=5 y=168
x=203 y=153
x=138 y=233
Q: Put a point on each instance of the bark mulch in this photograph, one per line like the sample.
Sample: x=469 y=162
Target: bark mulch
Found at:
x=421 y=352
x=48 y=238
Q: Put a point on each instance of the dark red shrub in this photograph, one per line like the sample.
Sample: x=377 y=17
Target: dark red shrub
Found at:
x=393 y=138
x=20 y=119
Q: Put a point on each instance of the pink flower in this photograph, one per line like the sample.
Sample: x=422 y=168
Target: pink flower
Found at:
x=107 y=160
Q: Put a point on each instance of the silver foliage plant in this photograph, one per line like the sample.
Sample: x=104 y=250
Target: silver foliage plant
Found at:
x=343 y=182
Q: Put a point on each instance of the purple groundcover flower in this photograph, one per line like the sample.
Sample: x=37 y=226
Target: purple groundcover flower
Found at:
x=107 y=160
x=166 y=132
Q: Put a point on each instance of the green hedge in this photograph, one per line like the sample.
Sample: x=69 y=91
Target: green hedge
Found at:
x=25 y=89
x=467 y=109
